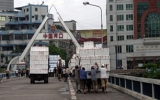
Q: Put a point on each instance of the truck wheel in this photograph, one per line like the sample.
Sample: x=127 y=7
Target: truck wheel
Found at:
x=32 y=81
x=46 y=80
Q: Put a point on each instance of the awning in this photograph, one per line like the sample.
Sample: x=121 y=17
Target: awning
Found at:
x=4 y=33
x=20 y=14
x=29 y=32
x=17 y=32
x=37 y=22
x=41 y=43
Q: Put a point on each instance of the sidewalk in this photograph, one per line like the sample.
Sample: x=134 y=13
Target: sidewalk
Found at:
x=112 y=94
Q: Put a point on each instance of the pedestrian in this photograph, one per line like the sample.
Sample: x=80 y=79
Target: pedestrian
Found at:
x=16 y=72
x=67 y=71
x=54 y=72
x=77 y=78
x=83 y=79
x=93 y=74
x=59 y=73
x=27 y=72
x=104 y=76
x=64 y=72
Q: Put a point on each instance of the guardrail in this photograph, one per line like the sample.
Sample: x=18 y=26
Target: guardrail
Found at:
x=141 y=88
x=3 y=75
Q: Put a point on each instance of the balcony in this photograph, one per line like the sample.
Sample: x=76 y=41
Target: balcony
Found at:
x=151 y=41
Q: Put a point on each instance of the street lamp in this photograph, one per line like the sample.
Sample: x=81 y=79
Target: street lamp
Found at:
x=87 y=3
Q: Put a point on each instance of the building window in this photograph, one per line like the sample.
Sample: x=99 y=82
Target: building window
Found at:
x=2 y=27
x=111 y=38
x=5 y=37
x=36 y=17
x=120 y=27
x=24 y=10
x=120 y=7
x=27 y=9
x=36 y=9
x=120 y=63
x=129 y=27
x=119 y=49
x=129 y=17
x=111 y=28
x=110 y=0
x=2 y=18
x=129 y=37
x=120 y=17
x=27 y=17
x=18 y=37
x=129 y=48
x=111 y=17
x=110 y=7
x=30 y=36
x=129 y=6
x=152 y=25
x=120 y=38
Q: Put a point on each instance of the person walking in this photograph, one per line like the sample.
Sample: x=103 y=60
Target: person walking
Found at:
x=83 y=79
x=77 y=78
x=93 y=74
x=104 y=76
x=54 y=72
x=67 y=71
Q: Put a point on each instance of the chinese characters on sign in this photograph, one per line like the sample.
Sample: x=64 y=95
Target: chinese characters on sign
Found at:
x=147 y=48
x=53 y=36
x=97 y=33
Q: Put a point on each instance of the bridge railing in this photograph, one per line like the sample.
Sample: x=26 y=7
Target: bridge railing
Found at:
x=3 y=75
x=138 y=87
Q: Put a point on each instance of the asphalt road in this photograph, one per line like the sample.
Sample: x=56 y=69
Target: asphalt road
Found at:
x=21 y=89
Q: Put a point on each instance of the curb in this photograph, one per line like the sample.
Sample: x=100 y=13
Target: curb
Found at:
x=71 y=90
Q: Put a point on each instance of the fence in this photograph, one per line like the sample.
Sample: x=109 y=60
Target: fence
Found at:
x=3 y=75
x=136 y=86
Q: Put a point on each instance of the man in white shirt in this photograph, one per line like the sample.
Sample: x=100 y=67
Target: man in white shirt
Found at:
x=104 y=74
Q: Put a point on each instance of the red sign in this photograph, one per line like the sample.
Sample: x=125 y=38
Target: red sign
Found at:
x=53 y=36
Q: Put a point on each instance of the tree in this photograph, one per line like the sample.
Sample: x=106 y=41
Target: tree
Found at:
x=53 y=50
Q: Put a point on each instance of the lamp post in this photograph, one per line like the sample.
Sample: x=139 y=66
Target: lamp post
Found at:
x=87 y=3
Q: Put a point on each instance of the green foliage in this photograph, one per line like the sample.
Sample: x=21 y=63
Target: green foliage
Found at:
x=53 y=50
x=2 y=70
x=152 y=73
x=158 y=64
x=149 y=65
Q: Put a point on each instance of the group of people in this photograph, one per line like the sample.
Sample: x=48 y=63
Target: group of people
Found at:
x=22 y=72
x=81 y=78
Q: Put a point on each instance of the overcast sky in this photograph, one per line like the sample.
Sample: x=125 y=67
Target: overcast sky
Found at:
x=87 y=17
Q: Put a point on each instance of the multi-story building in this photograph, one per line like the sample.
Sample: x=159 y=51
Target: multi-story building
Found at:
x=6 y=5
x=18 y=27
x=133 y=31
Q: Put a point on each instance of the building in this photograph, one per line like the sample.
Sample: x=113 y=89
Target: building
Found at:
x=6 y=5
x=18 y=27
x=133 y=31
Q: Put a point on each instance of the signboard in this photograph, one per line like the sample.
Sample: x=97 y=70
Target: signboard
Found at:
x=146 y=48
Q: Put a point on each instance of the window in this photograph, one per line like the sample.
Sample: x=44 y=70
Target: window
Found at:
x=10 y=18
x=30 y=36
x=24 y=10
x=18 y=37
x=110 y=0
x=36 y=9
x=129 y=37
x=2 y=18
x=36 y=17
x=111 y=28
x=129 y=27
x=120 y=27
x=120 y=7
x=119 y=49
x=120 y=17
x=111 y=17
x=2 y=27
x=111 y=38
x=5 y=37
x=129 y=6
x=110 y=7
x=129 y=48
x=120 y=38
x=129 y=17
x=27 y=17
x=119 y=62
x=27 y=9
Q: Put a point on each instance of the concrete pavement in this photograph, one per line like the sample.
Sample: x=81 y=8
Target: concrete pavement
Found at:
x=21 y=89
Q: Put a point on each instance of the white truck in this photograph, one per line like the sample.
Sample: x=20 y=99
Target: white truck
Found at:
x=39 y=64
